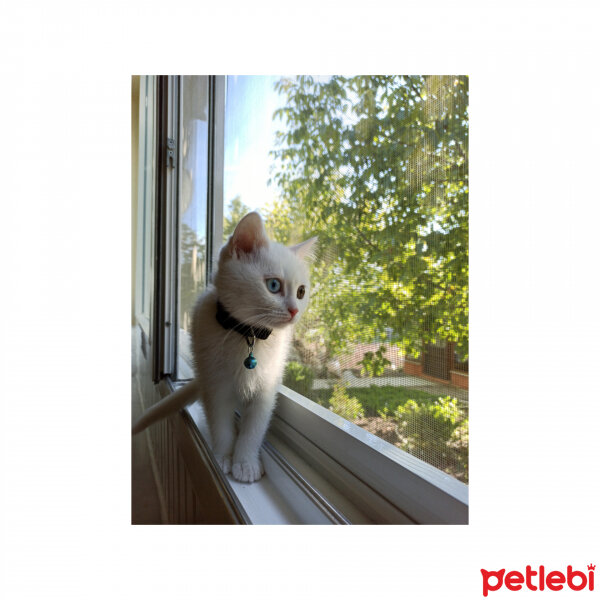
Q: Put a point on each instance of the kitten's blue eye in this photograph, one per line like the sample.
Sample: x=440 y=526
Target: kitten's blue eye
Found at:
x=273 y=285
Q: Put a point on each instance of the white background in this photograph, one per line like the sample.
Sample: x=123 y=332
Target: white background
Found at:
x=65 y=112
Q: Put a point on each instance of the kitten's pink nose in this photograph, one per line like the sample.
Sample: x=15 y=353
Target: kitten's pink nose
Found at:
x=293 y=311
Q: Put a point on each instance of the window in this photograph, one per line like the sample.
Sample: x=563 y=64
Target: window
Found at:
x=374 y=407
x=377 y=168
x=192 y=209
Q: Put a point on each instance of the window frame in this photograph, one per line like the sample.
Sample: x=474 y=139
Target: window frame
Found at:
x=146 y=204
x=347 y=473
x=368 y=466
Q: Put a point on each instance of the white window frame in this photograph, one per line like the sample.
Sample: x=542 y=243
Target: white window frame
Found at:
x=382 y=480
x=320 y=468
x=145 y=204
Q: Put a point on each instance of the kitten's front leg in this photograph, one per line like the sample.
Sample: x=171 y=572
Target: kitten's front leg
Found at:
x=220 y=415
x=247 y=466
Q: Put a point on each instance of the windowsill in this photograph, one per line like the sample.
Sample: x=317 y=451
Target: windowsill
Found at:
x=263 y=501
x=304 y=484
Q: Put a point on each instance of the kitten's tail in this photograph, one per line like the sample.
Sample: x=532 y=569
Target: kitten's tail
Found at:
x=172 y=403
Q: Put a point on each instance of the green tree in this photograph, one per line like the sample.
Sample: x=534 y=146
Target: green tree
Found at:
x=235 y=212
x=192 y=271
x=377 y=167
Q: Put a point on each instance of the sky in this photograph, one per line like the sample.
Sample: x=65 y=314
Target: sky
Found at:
x=249 y=136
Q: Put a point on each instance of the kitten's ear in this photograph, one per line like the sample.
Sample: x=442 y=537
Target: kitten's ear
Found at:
x=249 y=235
x=305 y=249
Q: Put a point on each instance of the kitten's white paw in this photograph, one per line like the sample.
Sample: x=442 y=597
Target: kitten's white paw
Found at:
x=224 y=462
x=248 y=471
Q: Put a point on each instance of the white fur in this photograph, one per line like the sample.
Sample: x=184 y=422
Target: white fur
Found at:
x=222 y=381
x=245 y=262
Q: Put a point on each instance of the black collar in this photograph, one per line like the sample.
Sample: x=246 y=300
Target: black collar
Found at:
x=228 y=322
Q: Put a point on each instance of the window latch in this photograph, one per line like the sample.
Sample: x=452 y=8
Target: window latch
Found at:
x=171 y=158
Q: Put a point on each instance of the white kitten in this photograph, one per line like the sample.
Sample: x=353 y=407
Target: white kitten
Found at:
x=242 y=328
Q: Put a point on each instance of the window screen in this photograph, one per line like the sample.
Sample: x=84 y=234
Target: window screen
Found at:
x=377 y=167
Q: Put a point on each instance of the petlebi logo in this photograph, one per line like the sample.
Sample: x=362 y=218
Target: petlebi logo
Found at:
x=538 y=580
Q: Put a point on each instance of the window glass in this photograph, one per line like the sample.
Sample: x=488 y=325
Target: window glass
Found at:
x=249 y=141
x=377 y=167
x=193 y=173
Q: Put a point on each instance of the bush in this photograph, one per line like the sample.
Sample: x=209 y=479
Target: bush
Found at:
x=374 y=363
x=431 y=423
x=460 y=436
x=299 y=377
x=344 y=405
x=436 y=432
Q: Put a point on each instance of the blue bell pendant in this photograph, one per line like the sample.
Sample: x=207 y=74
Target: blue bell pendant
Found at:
x=250 y=362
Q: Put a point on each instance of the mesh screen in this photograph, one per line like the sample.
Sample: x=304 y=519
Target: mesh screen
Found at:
x=377 y=167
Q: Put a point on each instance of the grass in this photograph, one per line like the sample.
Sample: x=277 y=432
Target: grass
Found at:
x=374 y=399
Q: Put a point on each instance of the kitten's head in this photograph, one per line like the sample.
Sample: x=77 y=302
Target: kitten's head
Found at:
x=261 y=282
